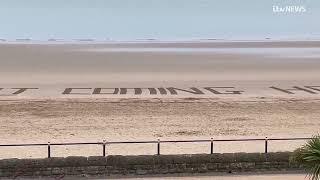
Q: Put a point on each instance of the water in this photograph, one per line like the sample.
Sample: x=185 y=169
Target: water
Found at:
x=154 y=19
x=277 y=52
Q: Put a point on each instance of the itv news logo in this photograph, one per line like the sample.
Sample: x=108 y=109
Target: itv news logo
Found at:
x=288 y=9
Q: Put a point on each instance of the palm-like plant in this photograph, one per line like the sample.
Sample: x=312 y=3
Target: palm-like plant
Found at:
x=309 y=157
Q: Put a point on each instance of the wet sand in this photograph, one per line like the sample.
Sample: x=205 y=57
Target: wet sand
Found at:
x=160 y=64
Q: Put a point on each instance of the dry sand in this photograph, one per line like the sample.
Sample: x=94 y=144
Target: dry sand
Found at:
x=95 y=120
x=46 y=114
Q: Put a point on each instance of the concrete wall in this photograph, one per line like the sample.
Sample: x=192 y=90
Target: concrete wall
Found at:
x=146 y=164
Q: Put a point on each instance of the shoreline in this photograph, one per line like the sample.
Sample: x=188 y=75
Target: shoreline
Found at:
x=138 y=41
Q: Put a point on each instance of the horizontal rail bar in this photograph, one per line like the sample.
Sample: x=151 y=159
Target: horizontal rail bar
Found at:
x=2 y=145
x=185 y=141
x=288 y=139
x=53 y=144
x=131 y=142
x=84 y=143
x=228 y=140
x=154 y=142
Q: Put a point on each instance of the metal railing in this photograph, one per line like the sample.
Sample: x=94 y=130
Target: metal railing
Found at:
x=104 y=143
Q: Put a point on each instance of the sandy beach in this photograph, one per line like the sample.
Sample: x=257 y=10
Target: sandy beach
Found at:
x=85 y=92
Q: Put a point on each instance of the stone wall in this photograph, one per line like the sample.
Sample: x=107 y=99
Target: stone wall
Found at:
x=146 y=164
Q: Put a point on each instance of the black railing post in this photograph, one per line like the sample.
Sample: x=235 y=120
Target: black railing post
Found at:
x=49 y=150
x=104 y=148
x=266 y=145
x=211 y=147
x=158 y=147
